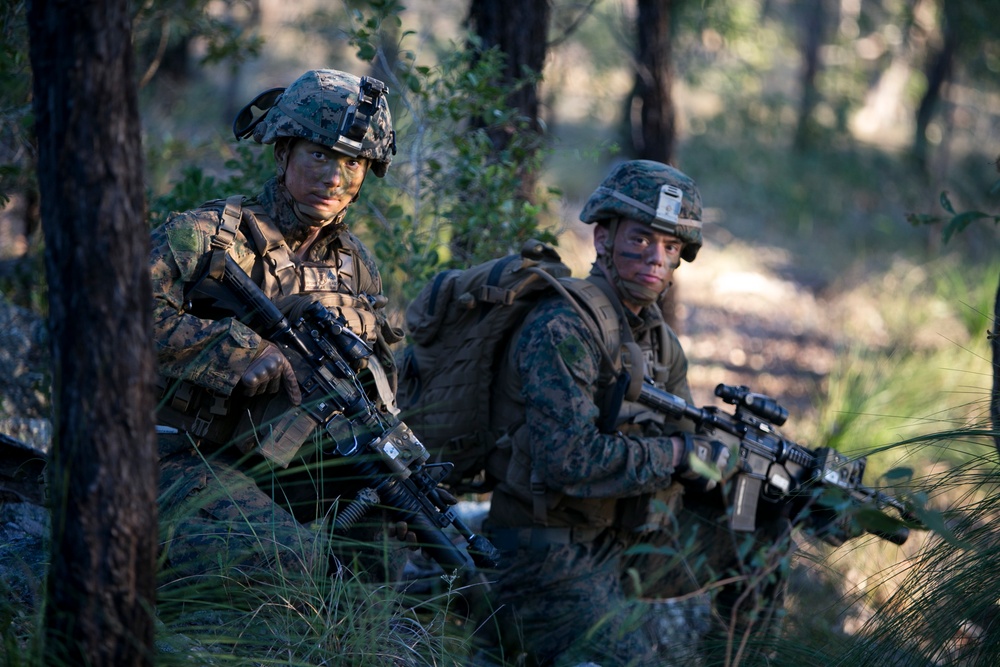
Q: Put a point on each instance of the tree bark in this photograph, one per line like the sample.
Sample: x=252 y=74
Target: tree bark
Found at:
x=812 y=37
x=651 y=115
x=519 y=28
x=103 y=470
x=938 y=73
x=995 y=394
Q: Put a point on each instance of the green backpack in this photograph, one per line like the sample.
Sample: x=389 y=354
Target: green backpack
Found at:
x=460 y=326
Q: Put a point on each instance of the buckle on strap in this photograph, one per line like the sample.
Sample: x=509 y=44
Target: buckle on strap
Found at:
x=229 y=224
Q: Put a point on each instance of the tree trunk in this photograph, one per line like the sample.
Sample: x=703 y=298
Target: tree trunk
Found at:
x=938 y=72
x=651 y=106
x=995 y=394
x=652 y=117
x=103 y=472
x=812 y=37
x=519 y=28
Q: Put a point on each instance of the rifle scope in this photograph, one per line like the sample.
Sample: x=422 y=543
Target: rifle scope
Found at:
x=760 y=405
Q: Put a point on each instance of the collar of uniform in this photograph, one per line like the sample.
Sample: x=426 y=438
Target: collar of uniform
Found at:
x=648 y=318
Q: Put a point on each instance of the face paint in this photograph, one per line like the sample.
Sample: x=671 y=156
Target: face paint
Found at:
x=641 y=262
x=321 y=182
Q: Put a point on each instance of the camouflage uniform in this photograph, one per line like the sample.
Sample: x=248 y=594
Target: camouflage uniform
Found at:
x=225 y=501
x=588 y=515
x=562 y=589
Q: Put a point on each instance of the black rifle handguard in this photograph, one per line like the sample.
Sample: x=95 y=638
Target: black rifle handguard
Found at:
x=404 y=487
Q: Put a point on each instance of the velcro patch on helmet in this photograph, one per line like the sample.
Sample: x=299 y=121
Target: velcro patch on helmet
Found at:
x=668 y=208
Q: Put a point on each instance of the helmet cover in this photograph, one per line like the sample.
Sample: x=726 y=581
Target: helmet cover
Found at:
x=654 y=194
x=327 y=107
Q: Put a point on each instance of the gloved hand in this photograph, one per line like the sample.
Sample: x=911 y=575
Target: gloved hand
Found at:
x=401 y=530
x=268 y=372
x=704 y=462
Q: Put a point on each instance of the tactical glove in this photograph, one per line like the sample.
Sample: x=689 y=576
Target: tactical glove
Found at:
x=704 y=462
x=401 y=530
x=268 y=371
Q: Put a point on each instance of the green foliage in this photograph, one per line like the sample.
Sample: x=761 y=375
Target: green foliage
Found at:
x=452 y=198
x=160 y=24
x=957 y=222
x=247 y=169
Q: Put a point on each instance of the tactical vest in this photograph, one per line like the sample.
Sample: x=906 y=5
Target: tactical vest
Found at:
x=342 y=283
x=647 y=356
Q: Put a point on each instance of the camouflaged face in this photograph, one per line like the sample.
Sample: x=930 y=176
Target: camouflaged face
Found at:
x=634 y=190
x=313 y=108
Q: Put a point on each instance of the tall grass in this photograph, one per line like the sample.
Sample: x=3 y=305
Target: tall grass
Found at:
x=912 y=394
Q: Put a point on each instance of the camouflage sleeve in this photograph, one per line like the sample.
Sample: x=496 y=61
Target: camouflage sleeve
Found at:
x=210 y=353
x=557 y=360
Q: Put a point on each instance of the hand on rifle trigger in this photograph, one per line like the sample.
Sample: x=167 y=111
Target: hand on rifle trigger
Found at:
x=268 y=371
x=704 y=462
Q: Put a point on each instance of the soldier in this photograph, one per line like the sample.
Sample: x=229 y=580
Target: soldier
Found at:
x=233 y=494
x=578 y=487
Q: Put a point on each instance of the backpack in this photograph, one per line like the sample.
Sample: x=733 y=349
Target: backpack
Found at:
x=460 y=326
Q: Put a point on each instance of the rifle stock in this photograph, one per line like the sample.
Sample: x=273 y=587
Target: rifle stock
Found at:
x=380 y=448
x=772 y=466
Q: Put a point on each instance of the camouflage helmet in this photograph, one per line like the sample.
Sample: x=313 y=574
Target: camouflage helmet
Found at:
x=652 y=193
x=331 y=108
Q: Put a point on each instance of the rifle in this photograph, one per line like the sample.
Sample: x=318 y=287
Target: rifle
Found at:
x=378 y=447
x=774 y=468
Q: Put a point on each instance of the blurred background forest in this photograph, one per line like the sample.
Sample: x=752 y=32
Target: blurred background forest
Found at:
x=823 y=136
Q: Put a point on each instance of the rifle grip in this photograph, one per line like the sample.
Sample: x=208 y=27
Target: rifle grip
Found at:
x=744 y=517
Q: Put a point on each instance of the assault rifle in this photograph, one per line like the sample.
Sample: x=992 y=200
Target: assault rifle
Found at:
x=773 y=468
x=377 y=446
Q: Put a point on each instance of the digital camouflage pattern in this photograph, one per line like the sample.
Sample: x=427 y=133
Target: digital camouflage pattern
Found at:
x=211 y=512
x=213 y=354
x=557 y=362
x=313 y=108
x=217 y=505
x=567 y=602
x=632 y=190
x=564 y=606
x=626 y=585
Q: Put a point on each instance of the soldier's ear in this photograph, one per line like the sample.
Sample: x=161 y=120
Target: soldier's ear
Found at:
x=601 y=233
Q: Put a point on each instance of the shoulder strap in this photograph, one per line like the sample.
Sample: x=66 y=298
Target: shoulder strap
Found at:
x=598 y=322
x=225 y=234
x=633 y=359
x=276 y=254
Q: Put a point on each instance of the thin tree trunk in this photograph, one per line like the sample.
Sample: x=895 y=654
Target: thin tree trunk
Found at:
x=519 y=30
x=995 y=346
x=938 y=72
x=103 y=474
x=652 y=118
x=812 y=37
x=652 y=115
